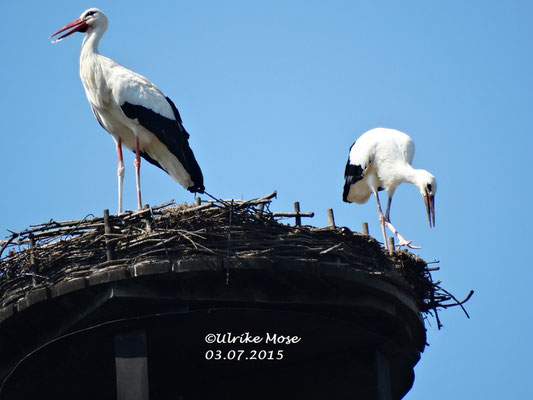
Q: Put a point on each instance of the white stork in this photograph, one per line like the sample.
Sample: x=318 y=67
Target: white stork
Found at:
x=381 y=159
x=133 y=110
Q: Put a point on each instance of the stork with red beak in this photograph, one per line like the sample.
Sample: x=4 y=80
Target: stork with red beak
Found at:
x=133 y=110
x=381 y=159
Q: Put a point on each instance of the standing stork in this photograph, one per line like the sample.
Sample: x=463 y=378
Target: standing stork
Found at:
x=133 y=110
x=381 y=159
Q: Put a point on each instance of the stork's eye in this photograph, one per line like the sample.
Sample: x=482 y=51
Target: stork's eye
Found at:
x=90 y=13
x=429 y=187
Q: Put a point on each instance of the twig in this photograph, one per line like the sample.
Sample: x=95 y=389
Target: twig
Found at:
x=457 y=302
x=330 y=249
x=331 y=218
x=293 y=214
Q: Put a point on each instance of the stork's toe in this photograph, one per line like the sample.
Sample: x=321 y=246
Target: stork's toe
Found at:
x=407 y=243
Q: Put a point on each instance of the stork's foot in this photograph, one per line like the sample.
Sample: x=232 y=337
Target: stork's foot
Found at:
x=401 y=240
x=404 y=242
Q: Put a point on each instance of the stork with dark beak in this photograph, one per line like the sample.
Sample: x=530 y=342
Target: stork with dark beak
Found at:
x=381 y=159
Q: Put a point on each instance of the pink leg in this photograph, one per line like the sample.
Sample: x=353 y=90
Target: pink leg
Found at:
x=138 y=172
x=120 y=173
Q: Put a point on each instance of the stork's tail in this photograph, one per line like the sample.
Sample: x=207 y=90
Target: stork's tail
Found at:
x=197 y=188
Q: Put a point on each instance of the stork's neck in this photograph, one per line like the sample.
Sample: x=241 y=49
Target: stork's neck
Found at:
x=418 y=177
x=91 y=41
x=409 y=173
x=399 y=172
x=90 y=67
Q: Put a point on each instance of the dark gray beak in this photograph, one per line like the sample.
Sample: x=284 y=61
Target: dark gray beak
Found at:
x=429 y=199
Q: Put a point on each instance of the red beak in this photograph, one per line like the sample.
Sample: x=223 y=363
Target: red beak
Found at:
x=78 y=25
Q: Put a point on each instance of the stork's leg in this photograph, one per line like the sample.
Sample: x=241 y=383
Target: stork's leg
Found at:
x=137 y=163
x=381 y=220
x=120 y=173
x=387 y=213
x=401 y=240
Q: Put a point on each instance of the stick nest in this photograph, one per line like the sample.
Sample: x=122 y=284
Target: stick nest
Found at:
x=53 y=251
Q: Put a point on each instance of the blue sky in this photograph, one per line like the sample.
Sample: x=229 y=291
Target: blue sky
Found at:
x=273 y=95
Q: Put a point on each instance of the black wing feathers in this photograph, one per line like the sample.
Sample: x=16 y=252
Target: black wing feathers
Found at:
x=352 y=174
x=173 y=135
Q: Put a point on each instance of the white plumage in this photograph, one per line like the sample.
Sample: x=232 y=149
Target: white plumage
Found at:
x=133 y=110
x=381 y=159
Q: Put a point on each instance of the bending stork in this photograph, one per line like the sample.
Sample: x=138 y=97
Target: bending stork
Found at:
x=381 y=159
x=133 y=110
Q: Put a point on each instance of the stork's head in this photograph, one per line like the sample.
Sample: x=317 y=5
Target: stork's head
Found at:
x=427 y=184
x=90 y=19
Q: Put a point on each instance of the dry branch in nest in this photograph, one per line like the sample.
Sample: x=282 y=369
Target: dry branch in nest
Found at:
x=50 y=252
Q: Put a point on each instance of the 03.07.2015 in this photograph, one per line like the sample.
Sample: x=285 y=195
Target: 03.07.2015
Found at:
x=246 y=355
